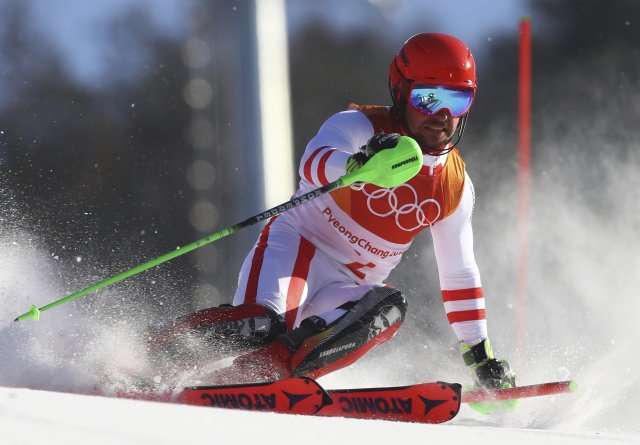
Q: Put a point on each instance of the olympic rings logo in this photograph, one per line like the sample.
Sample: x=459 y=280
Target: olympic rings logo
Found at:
x=409 y=216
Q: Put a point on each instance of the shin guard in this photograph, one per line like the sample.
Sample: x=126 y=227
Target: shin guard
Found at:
x=318 y=350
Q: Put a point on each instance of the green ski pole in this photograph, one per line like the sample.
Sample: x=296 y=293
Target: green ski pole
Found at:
x=388 y=168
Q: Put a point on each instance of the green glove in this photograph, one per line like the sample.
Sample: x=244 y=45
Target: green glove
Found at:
x=376 y=144
x=489 y=372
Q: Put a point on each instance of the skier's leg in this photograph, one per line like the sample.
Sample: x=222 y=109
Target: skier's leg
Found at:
x=316 y=348
x=230 y=328
x=277 y=276
x=282 y=272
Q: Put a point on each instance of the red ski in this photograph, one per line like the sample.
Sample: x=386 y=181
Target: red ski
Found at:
x=426 y=403
x=289 y=396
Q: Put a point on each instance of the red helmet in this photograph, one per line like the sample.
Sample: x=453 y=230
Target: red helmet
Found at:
x=430 y=58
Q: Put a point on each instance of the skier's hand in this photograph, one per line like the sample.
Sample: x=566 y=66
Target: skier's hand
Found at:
x=376 y=144
x=495 y=374
x=488 y=371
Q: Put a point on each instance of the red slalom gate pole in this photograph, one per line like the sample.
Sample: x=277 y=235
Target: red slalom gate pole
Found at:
x=524 y=175
x=519 y=392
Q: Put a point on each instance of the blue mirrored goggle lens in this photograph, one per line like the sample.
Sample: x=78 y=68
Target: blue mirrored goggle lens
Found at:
x=430 y=100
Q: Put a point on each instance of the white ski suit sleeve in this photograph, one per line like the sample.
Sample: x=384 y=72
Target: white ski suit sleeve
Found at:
x=459 y=274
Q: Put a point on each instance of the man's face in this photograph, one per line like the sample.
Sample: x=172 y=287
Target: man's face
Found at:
x=431 y=131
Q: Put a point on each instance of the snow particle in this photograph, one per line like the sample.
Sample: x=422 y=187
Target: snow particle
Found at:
x=78 y=259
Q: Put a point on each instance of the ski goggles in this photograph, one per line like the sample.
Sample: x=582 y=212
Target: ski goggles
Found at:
x=429 y=99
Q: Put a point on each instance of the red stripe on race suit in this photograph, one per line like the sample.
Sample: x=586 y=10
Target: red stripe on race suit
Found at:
x=307 y=165
x=251 y=290
x=322 y=177
x=459 y=316
x=306 y=251
x=462 y=294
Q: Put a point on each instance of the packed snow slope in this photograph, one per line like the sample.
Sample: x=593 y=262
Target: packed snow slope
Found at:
x=37 y=417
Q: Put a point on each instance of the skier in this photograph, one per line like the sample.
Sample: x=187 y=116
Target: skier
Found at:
x=311 y=297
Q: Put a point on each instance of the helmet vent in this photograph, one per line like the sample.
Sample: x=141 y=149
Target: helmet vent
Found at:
x=403 y=56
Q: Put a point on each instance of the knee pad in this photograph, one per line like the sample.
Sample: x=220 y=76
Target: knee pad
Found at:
x=318 y=349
